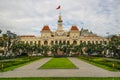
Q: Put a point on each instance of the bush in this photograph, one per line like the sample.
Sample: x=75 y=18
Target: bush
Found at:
x=17 y=61
x=103 y=62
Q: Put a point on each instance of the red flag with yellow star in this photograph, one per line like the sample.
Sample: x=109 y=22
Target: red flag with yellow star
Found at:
x=58 y=7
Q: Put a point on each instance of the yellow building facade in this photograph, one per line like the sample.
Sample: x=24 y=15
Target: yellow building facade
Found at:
x=60 y=36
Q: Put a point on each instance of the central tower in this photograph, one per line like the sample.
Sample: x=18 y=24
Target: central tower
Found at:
x=60 y=27
x=59 y=31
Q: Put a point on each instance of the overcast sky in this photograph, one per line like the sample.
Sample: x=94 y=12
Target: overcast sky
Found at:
x=27 y=17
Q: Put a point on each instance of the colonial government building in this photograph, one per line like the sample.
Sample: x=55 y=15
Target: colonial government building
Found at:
x=73 y=36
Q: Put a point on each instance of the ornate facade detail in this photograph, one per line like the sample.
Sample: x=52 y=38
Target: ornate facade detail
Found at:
x=73 y=36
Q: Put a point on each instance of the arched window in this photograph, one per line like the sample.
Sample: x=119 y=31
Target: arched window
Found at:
x=64 y=42
x=100 y=42
x=22 y=42
x=60 y=42
x=52 y=42
x=96 y=42
x=80 y=41
x=35 y=42
x=56 y=42
x=45 y=42
x=68 y=42
x=88 y=42
x=26 y=42
x=105 y=42
x=84 y=42
x=31 y=42
x=38 y=42
x=74 y=42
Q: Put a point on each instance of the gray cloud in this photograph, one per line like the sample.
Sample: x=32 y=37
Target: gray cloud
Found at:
x=29 y=16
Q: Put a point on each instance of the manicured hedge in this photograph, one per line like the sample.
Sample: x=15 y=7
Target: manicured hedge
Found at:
x=102 y=62
x=16 y=62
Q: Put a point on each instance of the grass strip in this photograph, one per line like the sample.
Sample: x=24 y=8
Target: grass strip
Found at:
x=102 y=62
x=58 y=63
x=11 y=65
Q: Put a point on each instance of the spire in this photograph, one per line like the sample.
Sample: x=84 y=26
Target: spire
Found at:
x=60 y=27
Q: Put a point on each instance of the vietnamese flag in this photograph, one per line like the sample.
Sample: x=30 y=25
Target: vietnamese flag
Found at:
x=58 y=7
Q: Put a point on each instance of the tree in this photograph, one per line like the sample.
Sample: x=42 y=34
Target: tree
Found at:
x=45 y=50
x=9 y=39
x=0 y=31
x=68 y=49
x=54 y=49
x=114 y=45
x=1 y=43
x=5 y=39
x=1 y=39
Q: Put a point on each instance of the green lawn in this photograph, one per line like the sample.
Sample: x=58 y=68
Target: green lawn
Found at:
x=58 y=63
x=62 y=78
x=18 y=62
x=102 y=62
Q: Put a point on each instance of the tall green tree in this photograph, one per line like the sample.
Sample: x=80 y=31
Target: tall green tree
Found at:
x=9 y=39
x=45 y=50
x=114 y=45
x=0 y=31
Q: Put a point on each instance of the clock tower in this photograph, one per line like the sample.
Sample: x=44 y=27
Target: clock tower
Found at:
x=60 y=27
x=60 y=30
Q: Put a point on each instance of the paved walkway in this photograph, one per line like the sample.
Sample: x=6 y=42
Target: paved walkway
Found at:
x=85 y=70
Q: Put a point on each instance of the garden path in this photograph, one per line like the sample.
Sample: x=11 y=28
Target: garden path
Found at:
x=85 y=70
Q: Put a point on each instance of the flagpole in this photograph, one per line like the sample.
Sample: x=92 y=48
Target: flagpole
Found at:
x=60 y=12
x=59 y=8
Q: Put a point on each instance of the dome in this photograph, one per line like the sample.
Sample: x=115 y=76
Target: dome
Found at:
x=74 y=28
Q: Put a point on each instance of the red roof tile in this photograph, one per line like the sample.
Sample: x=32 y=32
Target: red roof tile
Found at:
x=74 y=28
x=46 y=28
